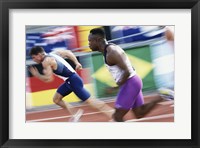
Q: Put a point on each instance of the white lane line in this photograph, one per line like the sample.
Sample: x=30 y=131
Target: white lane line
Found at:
x=166 y=102
x=151 y=118
x=61 y=117
x=46 y=110
x=75 y=106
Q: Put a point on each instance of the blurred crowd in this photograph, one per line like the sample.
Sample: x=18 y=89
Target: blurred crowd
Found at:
x=75 y=38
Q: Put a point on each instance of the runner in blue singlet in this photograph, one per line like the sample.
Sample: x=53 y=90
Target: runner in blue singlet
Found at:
x=54 y=63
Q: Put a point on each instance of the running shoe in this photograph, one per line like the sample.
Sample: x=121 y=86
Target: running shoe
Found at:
x=76 y=117
x=166 y=93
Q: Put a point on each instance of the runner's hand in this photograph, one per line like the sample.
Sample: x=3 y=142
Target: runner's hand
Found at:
x=33 y=71
x=78 y=66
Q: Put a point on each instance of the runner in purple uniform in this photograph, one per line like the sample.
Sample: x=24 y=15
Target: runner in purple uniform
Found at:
x=130 y=96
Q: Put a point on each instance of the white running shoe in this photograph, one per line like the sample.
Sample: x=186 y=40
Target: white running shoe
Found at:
x=166 y=93
x=76 y=117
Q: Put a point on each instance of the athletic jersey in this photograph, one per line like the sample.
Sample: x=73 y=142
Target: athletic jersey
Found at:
x=116 y=71
x=64 y=69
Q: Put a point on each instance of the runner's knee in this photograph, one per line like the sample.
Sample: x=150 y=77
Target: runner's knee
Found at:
x=56 y=100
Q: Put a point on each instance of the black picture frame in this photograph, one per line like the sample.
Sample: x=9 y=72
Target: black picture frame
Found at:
x=5 y=5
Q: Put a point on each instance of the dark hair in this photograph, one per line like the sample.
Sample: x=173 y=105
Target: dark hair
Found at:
x=35 y=50
x=98 y=31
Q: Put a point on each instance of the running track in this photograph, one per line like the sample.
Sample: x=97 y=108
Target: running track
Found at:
x=162 y=112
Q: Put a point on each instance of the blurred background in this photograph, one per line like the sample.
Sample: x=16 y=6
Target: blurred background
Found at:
x=149 y=48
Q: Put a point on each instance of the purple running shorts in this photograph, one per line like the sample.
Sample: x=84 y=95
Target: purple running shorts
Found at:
x=130 y=94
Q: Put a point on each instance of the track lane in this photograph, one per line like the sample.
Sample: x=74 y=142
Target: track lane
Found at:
x=158 y=114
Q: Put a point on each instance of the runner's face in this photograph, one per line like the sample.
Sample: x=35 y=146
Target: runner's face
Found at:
x=37 y=58
x=93 y=44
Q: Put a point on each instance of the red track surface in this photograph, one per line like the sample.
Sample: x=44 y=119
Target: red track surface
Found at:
x=162 y=112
